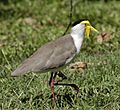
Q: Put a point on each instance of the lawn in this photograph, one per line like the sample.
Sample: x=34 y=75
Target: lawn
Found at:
x=27 y=24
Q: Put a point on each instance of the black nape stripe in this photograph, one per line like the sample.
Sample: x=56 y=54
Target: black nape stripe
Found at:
x=78 y=21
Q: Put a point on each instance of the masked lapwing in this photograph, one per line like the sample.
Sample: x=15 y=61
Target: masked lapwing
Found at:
x=58 y=53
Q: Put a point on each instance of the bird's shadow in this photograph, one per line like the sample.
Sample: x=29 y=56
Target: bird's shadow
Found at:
x=64 y=99
x=61 y=99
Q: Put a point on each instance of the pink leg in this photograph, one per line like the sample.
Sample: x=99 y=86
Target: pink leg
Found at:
x=52 y=88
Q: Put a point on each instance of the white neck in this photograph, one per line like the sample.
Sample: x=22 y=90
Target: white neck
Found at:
x=78 y=35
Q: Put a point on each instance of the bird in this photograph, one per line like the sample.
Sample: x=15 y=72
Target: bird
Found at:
x=56 y=54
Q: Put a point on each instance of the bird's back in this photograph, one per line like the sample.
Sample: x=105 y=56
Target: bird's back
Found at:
x=50 y=56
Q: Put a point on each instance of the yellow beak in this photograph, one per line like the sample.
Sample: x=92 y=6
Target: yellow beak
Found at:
x=93 y=29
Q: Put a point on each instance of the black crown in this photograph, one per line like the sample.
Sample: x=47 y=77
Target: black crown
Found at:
x=78 y=21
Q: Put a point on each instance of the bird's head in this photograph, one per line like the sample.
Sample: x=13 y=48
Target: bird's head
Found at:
x=83 y=26
x=88 y=28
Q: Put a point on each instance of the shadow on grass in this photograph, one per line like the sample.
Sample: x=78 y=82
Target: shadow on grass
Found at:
x=62 y=100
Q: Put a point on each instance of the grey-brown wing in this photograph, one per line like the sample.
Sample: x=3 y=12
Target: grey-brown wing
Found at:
x=50 y=56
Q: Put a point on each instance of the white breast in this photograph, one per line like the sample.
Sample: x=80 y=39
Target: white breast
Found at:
x=78 y=35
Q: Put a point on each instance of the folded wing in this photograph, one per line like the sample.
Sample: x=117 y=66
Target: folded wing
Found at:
x=52 y=55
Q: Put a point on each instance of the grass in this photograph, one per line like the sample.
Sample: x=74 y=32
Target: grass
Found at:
x=19 y=38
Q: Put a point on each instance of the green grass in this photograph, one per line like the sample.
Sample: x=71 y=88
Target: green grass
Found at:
x=99 y=83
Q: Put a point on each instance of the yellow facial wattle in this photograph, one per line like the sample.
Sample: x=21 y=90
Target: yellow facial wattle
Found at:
x=88 y=28
x=87 y=31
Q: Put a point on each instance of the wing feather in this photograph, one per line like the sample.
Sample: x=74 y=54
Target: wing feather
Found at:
x=50 y=56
